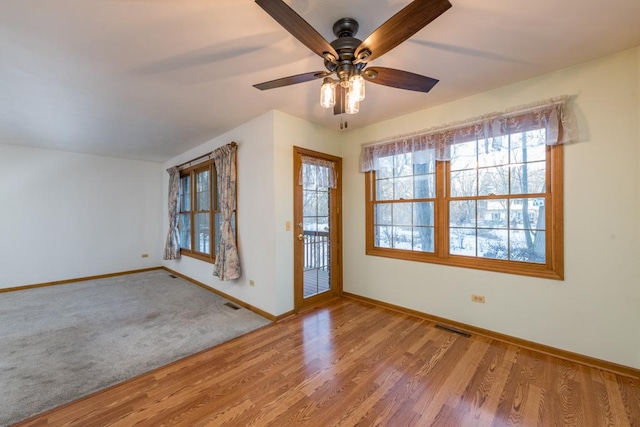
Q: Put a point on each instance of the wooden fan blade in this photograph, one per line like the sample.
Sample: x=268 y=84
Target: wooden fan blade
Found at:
x=341 y=100
x=297 y=26
x=292 y=80
x=399 y=79
x=414 y=17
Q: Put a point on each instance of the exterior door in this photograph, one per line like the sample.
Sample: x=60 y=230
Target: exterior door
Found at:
x=317 y=227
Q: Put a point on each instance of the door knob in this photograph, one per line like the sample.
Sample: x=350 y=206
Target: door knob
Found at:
x=300 y=237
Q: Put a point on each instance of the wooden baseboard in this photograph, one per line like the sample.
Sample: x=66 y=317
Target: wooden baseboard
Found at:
x=78 y=279
x=530 y=345
x=230 y=298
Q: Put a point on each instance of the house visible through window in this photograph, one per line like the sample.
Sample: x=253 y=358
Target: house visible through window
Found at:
x=483 y=199
x=198 y=209
x=497 y=198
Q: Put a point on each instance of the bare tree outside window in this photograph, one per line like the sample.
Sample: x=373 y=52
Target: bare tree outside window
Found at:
x=404 y=216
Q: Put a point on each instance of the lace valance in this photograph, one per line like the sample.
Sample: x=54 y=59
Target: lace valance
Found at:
x=323 y=176
x=554 y=115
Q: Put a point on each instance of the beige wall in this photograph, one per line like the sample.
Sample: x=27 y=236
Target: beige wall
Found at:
x=596 y=310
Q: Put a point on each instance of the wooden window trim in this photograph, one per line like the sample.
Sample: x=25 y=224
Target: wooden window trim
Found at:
x=192 y=171
x=552 y=269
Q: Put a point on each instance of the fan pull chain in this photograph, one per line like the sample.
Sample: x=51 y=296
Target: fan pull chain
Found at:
x=343 y=125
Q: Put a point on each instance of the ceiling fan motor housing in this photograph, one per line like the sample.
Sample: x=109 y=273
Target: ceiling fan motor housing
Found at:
x=345 y=46
x=345 y=27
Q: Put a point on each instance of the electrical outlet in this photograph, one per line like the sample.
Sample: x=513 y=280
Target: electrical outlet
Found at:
x=145 y=255
x=252 y=282
x=477 y=298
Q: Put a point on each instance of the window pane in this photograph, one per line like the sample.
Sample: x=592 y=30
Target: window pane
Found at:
x=184 y=230
x=493 y=213
x=383 y=236
x=463 y=156
x=402 y=214
x=423 y=239
x=493 y=244
x=384 y=189
x=323 y=203
x=463 y=183
x=382 y=214
x=403 y=165
x=527 y=238
x=425 y=186
x=527 y=214
x=528 y=178
x=493 y=151
x=309 y=203
x=462 y=213
x=528 y=146
x=203 y=191
x=423 y=214
x=402 y=238
x=462 y=241
x=201 y=233
x=185 y=193
x=385 y=167
x=494 y=181
x=527 y=246
x=403 y=188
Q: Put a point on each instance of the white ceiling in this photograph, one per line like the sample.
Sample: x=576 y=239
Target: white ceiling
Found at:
x=150 y=79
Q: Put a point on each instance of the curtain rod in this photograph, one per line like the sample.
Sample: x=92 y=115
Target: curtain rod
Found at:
x=232 y=144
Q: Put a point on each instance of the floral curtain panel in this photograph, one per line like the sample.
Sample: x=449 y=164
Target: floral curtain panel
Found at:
x=554 y=115
x=227 y=265
x=172 y=246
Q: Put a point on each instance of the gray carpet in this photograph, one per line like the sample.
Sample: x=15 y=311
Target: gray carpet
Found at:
x=62 y=342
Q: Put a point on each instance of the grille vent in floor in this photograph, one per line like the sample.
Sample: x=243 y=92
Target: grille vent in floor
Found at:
x=232 y=305
x=454 y=330
x=171 y=275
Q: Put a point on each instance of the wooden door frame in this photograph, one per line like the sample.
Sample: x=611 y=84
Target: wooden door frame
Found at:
x=336 y=227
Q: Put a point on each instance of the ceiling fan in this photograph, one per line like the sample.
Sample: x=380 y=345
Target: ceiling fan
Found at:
x=347 y=57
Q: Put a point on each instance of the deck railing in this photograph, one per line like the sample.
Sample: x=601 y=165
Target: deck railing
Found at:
x=316 y=250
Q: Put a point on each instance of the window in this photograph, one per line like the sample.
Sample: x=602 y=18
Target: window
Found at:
x=491 y=203
x=199 y=215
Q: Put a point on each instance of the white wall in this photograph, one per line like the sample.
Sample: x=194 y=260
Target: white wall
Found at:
x=596 y=310
x=289 y=132
x=67 y=215
x=265 y=203
x=255 y=207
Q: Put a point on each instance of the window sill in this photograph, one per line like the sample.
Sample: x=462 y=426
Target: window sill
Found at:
x=544 y=271
x=201 y=257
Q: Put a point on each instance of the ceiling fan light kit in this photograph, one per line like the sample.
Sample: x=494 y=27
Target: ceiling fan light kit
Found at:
x=347 y=57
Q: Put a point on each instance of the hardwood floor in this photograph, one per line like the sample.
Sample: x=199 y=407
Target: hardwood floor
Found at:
x=347 y=363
